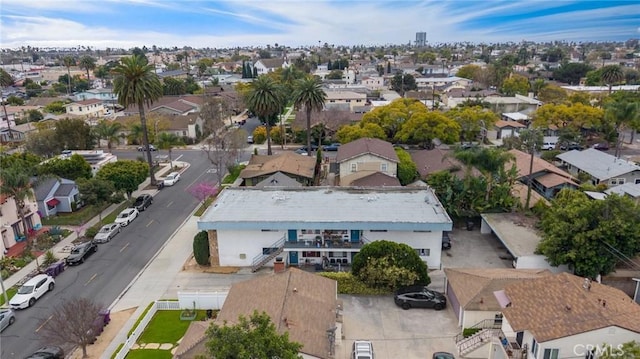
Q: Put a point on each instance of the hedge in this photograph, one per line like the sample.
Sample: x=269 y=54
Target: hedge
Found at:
x=348 y=284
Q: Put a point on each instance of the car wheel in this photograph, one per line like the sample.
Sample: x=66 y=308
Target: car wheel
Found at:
x=12 y=320
x=406 y=306
x=51 y=285
x=32 y=301
x=95 y=249
x=438 y=306
x=81 y=260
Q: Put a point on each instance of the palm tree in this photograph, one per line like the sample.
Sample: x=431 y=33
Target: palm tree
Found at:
x=108 y=131
x=87 y=63
x=531 y=141
x=135 y=133
x=308 y=93
x=68 y=61
x=266 y=100
x=622 y=114
x=611 y=74
x=15 y=182
x=5 y=81
x=166 y=141
x=136 y=83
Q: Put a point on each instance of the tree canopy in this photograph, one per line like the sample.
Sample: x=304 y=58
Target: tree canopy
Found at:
x=125 y=175
x=589 y=235
x=407 y=169
x=253 y=337
x=574 y=115
x=72 y=168
x=390 y=265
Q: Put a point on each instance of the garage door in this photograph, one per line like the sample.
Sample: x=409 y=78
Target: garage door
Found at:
x=453 y=300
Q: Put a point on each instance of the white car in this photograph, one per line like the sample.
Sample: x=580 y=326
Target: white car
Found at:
x=362 y=349
x=107 y=232
x=31 y=291
x=7 y=317
x=127 y=216
x=172 y=179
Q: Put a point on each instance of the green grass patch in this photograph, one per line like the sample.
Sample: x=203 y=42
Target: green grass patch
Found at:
x=348 y=284
x=234 y=172
x=149 y=354
x=204 y=206
x=76 y=218
x=117 y=350
x=146 y=310
x=10 y=293
x=166 y=327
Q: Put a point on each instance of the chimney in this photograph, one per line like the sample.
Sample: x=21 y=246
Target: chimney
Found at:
x=278 y=265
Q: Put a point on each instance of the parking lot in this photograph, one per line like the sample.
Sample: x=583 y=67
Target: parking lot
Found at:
x=417 y=333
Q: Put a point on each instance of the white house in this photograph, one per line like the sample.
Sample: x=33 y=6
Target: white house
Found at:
x=373 y=83
x=264 y=66
x=86 y=108
x=601 y=167
x=10 y=225
x=250 y=227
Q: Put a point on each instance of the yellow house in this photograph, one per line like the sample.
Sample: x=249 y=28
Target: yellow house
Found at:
x=86 y=108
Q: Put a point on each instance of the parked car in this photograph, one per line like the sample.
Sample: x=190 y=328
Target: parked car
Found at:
x=142 y=202
x=249 y=139
x=51 y=352
x=127 y=216
x=107 y=232
x=300 y=151
x=602 y=146
x=443 y=355
x=7 y=317
x=446 y=240
x=362 y=349
x=304 y=148
x=331 y=147
x=419 y=297
x=31 y=291
x=172 y=179
x=151 y=148
x=80 y=252
x=571 y=146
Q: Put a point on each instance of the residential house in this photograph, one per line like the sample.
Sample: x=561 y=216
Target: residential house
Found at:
x=503 y=129
x=546 y=179
x=95 y=158
x=186 y=126
x=573 y=316
x=11 y=136
x=299 y=303
x=364 y=157
x=10 y=224
x=519 y=117
x=600 y=167
x=250 y=227
x=176 y=74
x=373 y=83
x=345 y=99
x=17 y=113
x=497 y=103
x=264 y=66
x=57 y=196
x=171 y=105
x=86 y=108
x=297 y=167
x=106 y=95
x=331 y=120
x=629 y=189
x=470 y=292
x=7 y=119
x=438 y=159
x=446 y=83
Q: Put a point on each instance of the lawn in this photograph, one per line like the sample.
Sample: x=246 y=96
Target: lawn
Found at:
x=76 y=218
x=166 y=327
x=204 y=206
x=10 y=293
x=149 y=354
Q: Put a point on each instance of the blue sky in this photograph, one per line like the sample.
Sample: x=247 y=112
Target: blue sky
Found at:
x=207 y=23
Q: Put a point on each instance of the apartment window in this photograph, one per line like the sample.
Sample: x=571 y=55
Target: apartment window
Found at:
x=616 y=181
x=550 y=354
x=354 y=167
x=311 y=254
x=638 y=181
x=534 y=348
x=266 y=250
x=423 y=252
x=383 y=167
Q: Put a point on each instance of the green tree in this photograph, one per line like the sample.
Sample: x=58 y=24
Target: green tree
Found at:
x=74 y=134
x=26 y=160
x=87 y=63
x=531 y=140
x=628 y=350
x=14 y=101
x=622 y=115
x=253 y=337
x=201 y=248
x=571 y=73
x=108 y=131
x=125 y=175
x=97 y=192
x=422 y=128
x=473 y=120
x=470 y=72
x=68 y=61
x=136 y=83
x=407 y=169
x=395 y=256
x=72 y=168
x=348 y=133
x=265 y=99
x=5 y=81
x=55 y=107
x=611 y=75
x=335 y=75
x=167 y=141
x=516 y=84
x=402 y=83
x=308 y=94
x=43 y=143
x=101 y=72
x=173 y=86
x=552 y=94
x=35 y=116
x=590 y=236
x=574 y=115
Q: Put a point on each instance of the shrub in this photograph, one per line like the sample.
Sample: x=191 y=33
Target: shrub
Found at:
x=49 y=258
x=260 y=134
x=550 y=156
x=467 y=332
x=201 y=248
x=349 y=284
x=91 y=231
x=398 y=256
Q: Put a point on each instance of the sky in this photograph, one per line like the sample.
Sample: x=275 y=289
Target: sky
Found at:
x=223 y=24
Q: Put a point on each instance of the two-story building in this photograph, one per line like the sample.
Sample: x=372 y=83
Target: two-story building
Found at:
x=86 y=108
x=11 y=226
x=349 y=99
x=366 y=157
x=250 y=227
x=264 y=66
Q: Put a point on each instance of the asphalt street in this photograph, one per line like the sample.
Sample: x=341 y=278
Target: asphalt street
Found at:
x=107 y=273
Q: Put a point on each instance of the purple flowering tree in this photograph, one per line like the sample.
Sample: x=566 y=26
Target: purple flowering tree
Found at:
x=203 y=190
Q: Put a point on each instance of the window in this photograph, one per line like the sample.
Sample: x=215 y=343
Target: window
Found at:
x=266 y=251
x=638 y=181
x=354 y=167
x=550 y=354
x=268 y=230
x=616 y=181
x=423 y=252
x=378 y=230
x=311 y=254
x=383 y=167
x=534 y=348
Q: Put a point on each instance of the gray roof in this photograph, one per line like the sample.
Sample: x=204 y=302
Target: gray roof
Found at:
x=630 y=189
x=64 y=190
x=44 y=188
x=598 y=164
x=278 y=179
x=389 y=208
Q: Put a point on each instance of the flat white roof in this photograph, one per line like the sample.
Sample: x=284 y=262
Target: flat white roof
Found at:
x=399 y=209
x=520 y=240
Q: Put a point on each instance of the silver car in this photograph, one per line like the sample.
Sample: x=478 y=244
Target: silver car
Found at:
x=7 y=317
x=107 y=232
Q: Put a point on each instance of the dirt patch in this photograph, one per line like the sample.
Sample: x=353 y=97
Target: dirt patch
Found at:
x=95 y=350
x=192 y=266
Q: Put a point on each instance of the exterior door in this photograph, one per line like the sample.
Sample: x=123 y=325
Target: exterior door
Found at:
x=293 y=258
x=293 y=235
x=355 y=236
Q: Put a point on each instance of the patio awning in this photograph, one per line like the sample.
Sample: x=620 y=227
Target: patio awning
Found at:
x=52 y=202
x=502 y=298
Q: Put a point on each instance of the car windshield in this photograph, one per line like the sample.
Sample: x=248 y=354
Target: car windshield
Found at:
x=170 y=177
x=123 y=215
x=76 y=250
x=25 y=289
x=104 y=230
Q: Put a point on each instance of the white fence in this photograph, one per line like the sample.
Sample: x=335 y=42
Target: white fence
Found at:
x=202 y=299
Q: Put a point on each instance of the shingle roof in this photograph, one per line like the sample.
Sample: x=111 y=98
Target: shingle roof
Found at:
x=430 y=161
x=64 y=189
x=273 y=63
x=301 y=303
x=193 y=339
x=503 y=124
x=474 y=287
x=278 y=179
x=522 y=162
x=598 y=164
x=44 y=188
x=377 y=179
x=364 y=146
x=563 y=307
x=287 y=162
x=332 y=119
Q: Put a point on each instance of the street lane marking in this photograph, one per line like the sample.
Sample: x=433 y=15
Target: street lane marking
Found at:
x=170 y=203
x=90 y=279
x=125 y=247
x=148 y=224
x=43 y=324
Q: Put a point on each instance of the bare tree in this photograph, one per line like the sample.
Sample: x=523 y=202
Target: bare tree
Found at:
x=73 y=322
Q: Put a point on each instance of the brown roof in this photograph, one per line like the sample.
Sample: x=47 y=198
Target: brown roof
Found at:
x=474 y=287
x=301 y=303
x=192 y=343
x=563 y=307
x=182 y=103
x=519 y=190
x=332 y=119
x=522 y=162
x=177 y=122
x=287 y=162
x=364 y=146
x=435 y=160
x=551 y=180
x=43 y=101
x=377 y=179
x=273 y=63
x=502 y=124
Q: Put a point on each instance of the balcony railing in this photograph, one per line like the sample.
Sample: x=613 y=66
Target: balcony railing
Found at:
x=323 y=245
